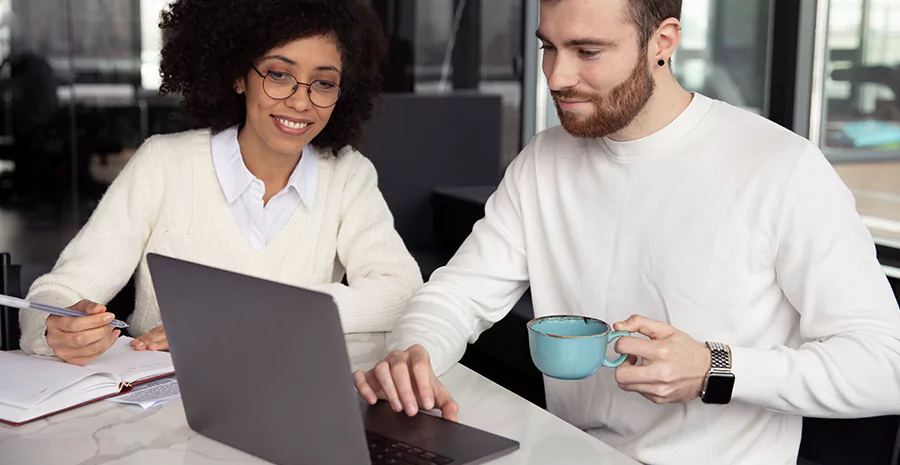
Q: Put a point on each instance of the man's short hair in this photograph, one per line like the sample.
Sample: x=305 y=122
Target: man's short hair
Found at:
x=647 y=15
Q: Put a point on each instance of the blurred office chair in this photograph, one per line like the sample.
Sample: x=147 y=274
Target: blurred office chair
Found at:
x=10 y=284
x=884 y=75
x=39 y=138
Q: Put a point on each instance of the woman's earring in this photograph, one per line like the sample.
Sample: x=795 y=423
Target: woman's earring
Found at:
x=237 y=89
x=661 y=62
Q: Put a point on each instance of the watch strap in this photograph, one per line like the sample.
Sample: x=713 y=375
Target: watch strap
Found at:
x=719 y=356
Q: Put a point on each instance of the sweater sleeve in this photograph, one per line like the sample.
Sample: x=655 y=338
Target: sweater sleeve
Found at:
x=101 y=258
x=381 y=273
x=478 y=287
x=849 y=363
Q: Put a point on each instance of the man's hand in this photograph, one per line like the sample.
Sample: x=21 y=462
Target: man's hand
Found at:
x=673 y=364
x=78 y=340
x=405 y=378
x=155 y=339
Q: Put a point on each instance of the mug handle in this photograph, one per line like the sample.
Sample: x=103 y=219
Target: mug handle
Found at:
x=609 y=339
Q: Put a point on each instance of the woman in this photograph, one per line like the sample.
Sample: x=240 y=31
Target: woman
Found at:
x=272 y=189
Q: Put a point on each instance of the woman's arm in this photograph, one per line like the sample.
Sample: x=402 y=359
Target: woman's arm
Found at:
x=381 y=273
x=104 y=254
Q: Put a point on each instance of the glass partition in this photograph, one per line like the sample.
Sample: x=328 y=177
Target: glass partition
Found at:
x=855 y=105
x=857 y=112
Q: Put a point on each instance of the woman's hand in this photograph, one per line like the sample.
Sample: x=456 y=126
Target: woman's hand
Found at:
x=78 y=340
x=155 y=339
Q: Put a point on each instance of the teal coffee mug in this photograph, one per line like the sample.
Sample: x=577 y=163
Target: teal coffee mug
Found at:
x=571 y=347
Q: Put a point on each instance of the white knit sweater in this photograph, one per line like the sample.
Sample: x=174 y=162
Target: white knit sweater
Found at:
x=168 y=200
x=722 y=224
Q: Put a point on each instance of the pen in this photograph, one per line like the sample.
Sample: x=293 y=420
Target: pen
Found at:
x=19 y=303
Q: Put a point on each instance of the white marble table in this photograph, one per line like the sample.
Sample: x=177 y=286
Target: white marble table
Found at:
x=110 y=433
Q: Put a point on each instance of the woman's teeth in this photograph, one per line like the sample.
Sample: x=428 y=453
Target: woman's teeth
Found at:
x=292 y=124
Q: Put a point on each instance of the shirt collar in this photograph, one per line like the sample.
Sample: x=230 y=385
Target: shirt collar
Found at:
x=661 y=142
x=235 y=178
x=305 y=177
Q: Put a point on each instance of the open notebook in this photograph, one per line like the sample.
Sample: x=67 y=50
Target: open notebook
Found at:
x=32 y=388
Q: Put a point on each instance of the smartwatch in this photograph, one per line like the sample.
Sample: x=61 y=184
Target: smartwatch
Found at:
x=719 y=382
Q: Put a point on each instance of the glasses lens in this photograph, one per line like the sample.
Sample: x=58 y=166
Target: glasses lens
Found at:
x=324 y=93
x=279 y=85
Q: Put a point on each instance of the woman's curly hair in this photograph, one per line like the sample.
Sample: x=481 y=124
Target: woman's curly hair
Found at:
x=210 y=44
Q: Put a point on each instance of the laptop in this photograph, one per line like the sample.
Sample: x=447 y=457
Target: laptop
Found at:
x=263 y=367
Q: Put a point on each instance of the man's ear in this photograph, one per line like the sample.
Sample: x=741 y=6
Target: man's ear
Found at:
x=664 y=42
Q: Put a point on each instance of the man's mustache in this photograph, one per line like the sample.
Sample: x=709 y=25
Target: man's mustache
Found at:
x=572 y=94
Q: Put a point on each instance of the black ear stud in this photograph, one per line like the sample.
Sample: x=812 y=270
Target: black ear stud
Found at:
x=661 y=62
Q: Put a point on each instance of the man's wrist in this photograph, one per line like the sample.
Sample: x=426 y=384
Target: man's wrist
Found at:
x=719 y=382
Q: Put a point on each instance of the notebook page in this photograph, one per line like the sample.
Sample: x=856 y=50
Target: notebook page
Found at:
x=26 y=381
x=131 y=365
x=93 y=387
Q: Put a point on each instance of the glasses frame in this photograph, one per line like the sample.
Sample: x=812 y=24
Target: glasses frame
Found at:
x=297 y=86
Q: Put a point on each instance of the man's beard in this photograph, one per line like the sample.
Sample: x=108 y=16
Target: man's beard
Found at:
x=613 y=112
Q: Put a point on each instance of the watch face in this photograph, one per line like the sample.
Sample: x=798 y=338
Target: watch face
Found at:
x=719 y=388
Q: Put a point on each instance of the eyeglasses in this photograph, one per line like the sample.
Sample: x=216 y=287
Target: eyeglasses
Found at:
x=281 y=86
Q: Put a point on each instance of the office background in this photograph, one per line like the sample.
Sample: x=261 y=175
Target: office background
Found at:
x=463 y=94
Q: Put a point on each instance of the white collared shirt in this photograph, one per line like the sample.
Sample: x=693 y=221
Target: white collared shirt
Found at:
x=244 y=192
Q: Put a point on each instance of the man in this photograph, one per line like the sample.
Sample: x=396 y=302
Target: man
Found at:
x=701 y=221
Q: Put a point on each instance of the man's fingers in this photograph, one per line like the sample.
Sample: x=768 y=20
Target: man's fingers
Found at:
x=364 y=387
x=403 y=383
x=423 y=375
x=449 y=407
x=656 y=393
x=656 y=374
x=631 y=374
x=648 y=350
x=382 y=372
x=650 y=328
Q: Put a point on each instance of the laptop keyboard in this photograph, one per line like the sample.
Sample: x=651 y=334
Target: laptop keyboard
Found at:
x=384 y=451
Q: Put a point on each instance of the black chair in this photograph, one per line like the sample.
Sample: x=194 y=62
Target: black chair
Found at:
x=872 y=441
x=15 y=280
x=11 y=285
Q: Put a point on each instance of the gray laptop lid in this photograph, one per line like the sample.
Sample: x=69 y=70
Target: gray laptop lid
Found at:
x=263 y=367
x=233 y=331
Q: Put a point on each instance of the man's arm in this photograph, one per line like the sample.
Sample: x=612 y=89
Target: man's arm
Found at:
x=479 y=285
x=826 y=266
